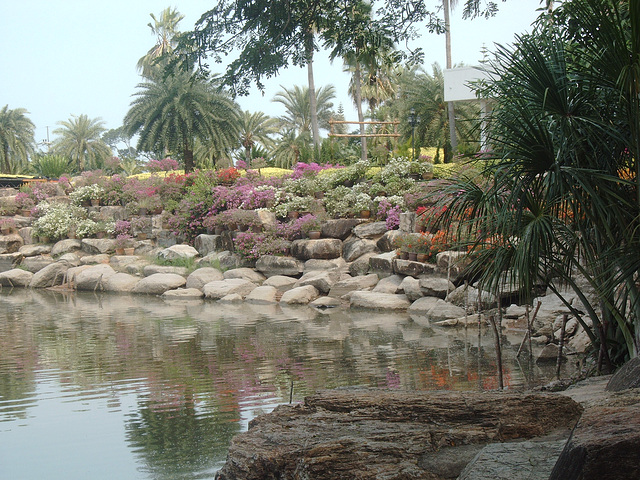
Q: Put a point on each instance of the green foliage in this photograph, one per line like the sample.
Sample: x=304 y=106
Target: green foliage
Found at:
x=80 y=140
x=16 y=139
x=51 y=166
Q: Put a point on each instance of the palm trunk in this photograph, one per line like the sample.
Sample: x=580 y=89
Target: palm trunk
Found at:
x=188 y=160
x=313 y=104
x=358 y=95
x=450 y=108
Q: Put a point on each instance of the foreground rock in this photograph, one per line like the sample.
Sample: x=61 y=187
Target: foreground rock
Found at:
x=388 y=435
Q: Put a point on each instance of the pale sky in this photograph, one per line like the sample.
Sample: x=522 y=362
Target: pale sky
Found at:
x=71 y=57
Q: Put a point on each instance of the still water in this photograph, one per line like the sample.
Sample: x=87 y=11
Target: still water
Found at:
x=130 y=387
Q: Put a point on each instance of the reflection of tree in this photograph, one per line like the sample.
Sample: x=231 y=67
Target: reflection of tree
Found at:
x=181 y=441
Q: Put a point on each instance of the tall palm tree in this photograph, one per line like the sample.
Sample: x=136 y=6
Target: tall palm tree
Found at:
x=171 y=113
x=80 y=140
x=165 y=28
x=290 y=148
x=255 y=129
x=16 y=139
x=298 y=112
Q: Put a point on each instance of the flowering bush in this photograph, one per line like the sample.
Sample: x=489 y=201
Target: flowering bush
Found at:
x=389 y=209
x=24 y=201
x=87 y=227
x=57 y=219
x=164 y=165
x=122 y=227
x=86 y=193
x=228 y=175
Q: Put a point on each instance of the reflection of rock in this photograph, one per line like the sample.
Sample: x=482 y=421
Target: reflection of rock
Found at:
x=338 y=434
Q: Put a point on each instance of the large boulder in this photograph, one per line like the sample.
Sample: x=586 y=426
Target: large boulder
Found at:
x=50 y=276
x=324 y=248
x=201 y=276
x=323 y=281
x=35 y=250
x=628 y=376
x=158 y=283
x=353 y=249
x=347 y=285
x=436 y=287
x=270 y=265
x=178 y=252
x=206 y=244
x=10 y=243
x=120 y=282
x=9 y=261
x=411 y=268
x=361 y=266
x=375 y=434
x=382 y=264
x=370 y=230
x=15 y=278
x=183 y=294
x=221 y=288
x=340 y=228
x=92 y=278
x=300 y=295
x=246 y=274
x=68 y=245
x=389 y=241
x=389 y=284
x=96 y=246
x=319 y=264
x=263 y=295
x=152 y=269
x=411 y=288
x=435 y=309
x=379 y=301
x=281 y=283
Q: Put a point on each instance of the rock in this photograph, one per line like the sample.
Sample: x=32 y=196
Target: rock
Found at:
x=149 y=270
x=382 y=264
x=34 y=250
x=380 y=434
x=339 y=228
x=460 y=322
x=549 y=354
x=50 y=275
x=176 y=252
x=411 y=288
x=514 y=461
x=603 y=446
x=72 y=258
x=370 y=230
x=325 y=302
x=263 y=295
x=66 y=246
x=246 y=274
x=347 y=285
x=323 y=281
x=182 y=294
x=158 y=283
x=379 y=301
x=324 y=248
x=516 y=311
x=471 y=297
x=389 y=285
x=201 y=276
x=360 y=266
x=218 y=289
x=270 y=265
x=435 y=309
x=35 y=264
x=10 y=243
x=96 y=246
x=266 y=218
x=407 y=222
x=627 y=376
x=15 y=278
x=94 y=259
x=281 y=283
x=388 y=241
x=300 y=295
x=206 y=244
x=120 y=282
x=353 y=249
x=231 y=298
x=319 y=264
x=413 y=269
x=223 y=260
x=449 y=462
x=436 y=287
x=92 y=278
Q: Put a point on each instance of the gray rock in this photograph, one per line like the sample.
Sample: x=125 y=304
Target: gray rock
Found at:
x=324 y=248
x=318 y=264
x=206 y=244
x=15 y=278
x=382 y=264
x=361 y=265
x=411 y=288
x=413 y=269
x=220 y=288
x=389 y=285
x=96 y=246
x=435 y=309
x=231 y=298
x=35 y=264
x=370 y=230
x=628 y=376
x=92 y=278
x=353 y=249
x=549 y=354
x=280 y=282
x=266 y=218
x=120 y=282
x=388 y=241
x=378 y=301
x=408 y=222
x=67 y=245
x=50 y=275
x=323 y=281
x=448 y=462
x=472 y=297
x=158 y=283
x=149 y=270
x=348 y=285
x=182 y=294
x=514 y=461
x=270 y=265
x=72 y=258
x=94 y=259
x=339 y=228
x=300 y=295
x=246 y=274
x=34 y=250
x=10 y=243
x=325 y=302
x=263 y=295
x=436 y=287
x=201 y=276
x=113 y=212
x=176 y=252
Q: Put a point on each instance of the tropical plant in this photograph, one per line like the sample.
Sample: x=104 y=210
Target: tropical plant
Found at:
x=80 y=140
x=298 y=112
x=51 y=166
x=255 y=129
x=165 y=29
x=16 y=139
x=170 y=114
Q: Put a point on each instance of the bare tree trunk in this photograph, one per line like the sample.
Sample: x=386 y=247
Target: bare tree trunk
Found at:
x=450 y=107
x=313 y=103
x=358 y=94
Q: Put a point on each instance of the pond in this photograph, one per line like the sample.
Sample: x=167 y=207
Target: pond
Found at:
x=103 y=387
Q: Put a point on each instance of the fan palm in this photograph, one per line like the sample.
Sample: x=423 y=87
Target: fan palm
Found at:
x=170 y=114
x=80 y=140
x=16 y=139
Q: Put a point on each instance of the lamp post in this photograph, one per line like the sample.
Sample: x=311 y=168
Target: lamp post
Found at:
x=413 y=121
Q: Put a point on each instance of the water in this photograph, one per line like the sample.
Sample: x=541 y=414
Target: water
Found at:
x=128 y=387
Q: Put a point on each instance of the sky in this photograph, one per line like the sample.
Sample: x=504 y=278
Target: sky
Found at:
x=71 y=57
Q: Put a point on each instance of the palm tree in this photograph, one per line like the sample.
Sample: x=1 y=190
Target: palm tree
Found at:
x=80 y=140
x=290 y=148
x=255 y=129
x=171 y=113
x=165 y=30
x=16 y=139
x=298 y=115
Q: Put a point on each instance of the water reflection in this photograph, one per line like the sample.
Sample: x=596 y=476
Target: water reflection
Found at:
x=161 y=387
